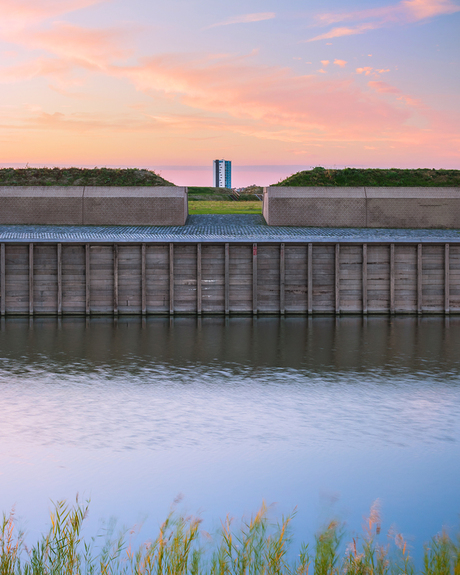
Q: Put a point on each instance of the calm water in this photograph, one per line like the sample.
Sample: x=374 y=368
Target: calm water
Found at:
x=326 y=414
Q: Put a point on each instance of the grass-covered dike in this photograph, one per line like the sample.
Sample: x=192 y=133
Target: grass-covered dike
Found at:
x=252 y=547
x=374 y=177
x=80 y=177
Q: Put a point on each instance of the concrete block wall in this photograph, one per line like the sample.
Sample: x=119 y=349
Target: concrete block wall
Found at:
x=362 y=207
x=79 y=205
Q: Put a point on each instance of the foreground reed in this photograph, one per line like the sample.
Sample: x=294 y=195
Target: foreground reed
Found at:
x=256 y=547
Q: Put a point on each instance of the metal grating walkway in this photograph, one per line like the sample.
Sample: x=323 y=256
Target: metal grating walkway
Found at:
x=221 y=228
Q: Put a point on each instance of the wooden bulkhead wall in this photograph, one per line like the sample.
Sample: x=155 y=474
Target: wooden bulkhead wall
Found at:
x=203 y=278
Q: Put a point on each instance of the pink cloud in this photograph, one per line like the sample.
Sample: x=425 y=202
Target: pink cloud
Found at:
x=21 y=13
x=244 y=19
x=366 y=70
x=341 y=63
x=421 y=9
x=343 y=31
x=94 y=46
x=71 y=48
x=325 y=62
x=269 y=96
x=369 y=70
x=384 y=88
x=405 y=11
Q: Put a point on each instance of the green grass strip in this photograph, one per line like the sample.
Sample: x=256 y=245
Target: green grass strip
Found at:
x=224 y=207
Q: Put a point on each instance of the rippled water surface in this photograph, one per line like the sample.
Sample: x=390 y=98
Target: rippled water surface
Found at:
x=327 y=414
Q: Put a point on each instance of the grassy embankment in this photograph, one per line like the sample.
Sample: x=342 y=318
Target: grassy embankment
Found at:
x=374 y=177
x=80 y=177
x=257 y=547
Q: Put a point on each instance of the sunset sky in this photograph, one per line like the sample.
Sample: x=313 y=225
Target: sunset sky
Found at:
x=272 y=85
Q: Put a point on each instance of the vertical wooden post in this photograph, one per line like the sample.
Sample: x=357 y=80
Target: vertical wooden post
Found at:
x=419 y=278
x=198 y=279
x=282 y=278
x=447 y=279
x=115 y=279
x=59 y=279
x=171 y=279
x=88 y=279
x=2 y=280
x=227 y=279
x=365 y=278
x=337 y=278
x=254 y=279
x=31 y=279
x=143 y=282
x=392 y=278
x=310 y=279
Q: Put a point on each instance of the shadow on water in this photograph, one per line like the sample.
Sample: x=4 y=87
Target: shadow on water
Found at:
x=314 y=345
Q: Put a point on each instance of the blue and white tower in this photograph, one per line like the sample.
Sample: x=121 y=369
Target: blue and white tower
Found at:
x=222 y=174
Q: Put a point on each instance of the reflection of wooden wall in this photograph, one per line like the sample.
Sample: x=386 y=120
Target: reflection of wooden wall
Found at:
x=229 y=278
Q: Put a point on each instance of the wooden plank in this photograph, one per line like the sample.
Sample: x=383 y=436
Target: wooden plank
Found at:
x=2 y=281
x=185 y=278
x=419 y=278
x=310 y=279
x=171 y=279
x=365 y=278
x=212 y=278
x=31 y=279
x=447 y=279
x=378 y=279
x=282 y=278
x=296 y=279
x=227 y=279
x=115 y=279
x=157 y=267
x=59 y=278
x=143 y=282
x=254 y=278
x=88 y=282
x=337 y=278
x=198 y=279
x=392 y=278
x=350 y=274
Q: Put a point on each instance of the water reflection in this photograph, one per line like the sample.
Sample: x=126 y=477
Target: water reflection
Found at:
x=404 y=344
x=230 y=411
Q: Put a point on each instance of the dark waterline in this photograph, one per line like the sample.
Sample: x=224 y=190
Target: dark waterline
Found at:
x=324 y=413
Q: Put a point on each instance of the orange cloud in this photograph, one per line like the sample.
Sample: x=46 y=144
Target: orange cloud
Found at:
x=341 y=63
x=325 y=62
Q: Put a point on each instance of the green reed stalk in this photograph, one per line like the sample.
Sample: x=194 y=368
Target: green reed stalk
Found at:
x=257 y=547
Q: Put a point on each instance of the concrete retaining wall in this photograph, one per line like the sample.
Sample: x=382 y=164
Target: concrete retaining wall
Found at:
x=362 y=207
x=163 y=205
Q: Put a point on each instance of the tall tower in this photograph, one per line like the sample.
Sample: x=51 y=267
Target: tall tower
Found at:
x=222 y=174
